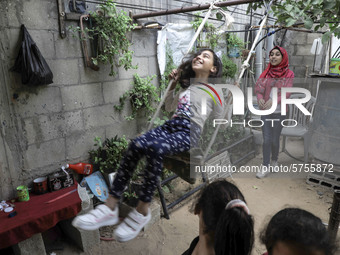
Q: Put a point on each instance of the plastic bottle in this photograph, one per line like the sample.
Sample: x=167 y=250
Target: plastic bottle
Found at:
x=81 y=168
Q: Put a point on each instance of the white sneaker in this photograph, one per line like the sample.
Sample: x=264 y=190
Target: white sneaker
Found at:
x=99 y=217
x=275 y=166
x=264 y=171
x=131 y=226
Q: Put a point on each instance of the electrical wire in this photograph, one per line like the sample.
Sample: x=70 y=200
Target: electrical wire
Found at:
x=268 y=34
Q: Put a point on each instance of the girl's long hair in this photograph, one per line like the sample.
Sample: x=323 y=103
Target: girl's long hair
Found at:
x=232 y=229
x=187 y=73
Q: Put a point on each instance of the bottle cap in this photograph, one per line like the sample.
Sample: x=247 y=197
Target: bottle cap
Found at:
x=8 y=209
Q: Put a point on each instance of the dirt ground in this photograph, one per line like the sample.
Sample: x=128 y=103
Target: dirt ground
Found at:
x=265 y=197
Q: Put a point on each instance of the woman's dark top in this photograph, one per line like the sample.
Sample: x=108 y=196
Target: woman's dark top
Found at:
x=192 y=247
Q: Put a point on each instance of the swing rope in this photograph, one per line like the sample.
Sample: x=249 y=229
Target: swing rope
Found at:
x=245 y=65
x=192 y=42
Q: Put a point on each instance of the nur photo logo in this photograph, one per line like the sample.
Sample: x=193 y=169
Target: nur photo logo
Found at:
x=209 y=93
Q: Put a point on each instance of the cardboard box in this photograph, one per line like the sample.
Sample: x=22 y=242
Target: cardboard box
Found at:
x=60 y=180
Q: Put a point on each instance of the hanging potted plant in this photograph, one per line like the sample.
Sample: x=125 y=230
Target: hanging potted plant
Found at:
x=110 y=28
x=142 y=97
x=234 y=44
x=208 y=38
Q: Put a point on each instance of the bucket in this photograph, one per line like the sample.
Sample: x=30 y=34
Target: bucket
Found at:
x=22 y=192
x=334 y=66
x=40 y=185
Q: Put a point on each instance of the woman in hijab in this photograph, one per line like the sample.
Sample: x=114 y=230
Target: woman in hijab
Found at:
x=278 y=75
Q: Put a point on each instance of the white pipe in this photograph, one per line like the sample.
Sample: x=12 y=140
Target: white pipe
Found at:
x=246 y=62
x=270 y=39
x=258 y=61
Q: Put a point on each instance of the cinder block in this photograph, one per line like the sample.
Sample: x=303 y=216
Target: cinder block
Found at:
x=304 y=51
x=329 y=180
x=87 y=75
x=47 y=127
x=85 y=240
x=44 y=41
x=34 y=14
x=153 y=67
x=78 y=145
x=142 y=69
x=113 y=90
x=312 y=36
x=299 y=38
x=11 y=38
x=299 y=71
x=44 y=100
x=82 y=96
x=308 y=60
x=69 y=47
x=144 y=43
x=296 y=60
x=39 y=155
x=222 y=160
x=65 y=71
x=32 y=245
x=121 y=128
x=99 y=116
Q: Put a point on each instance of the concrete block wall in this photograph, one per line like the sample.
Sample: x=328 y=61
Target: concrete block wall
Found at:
x=298 y=46
x=48 y=126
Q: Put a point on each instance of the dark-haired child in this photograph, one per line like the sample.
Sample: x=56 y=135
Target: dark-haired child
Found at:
x=175 y=136
x=294 y=231
x=225 y=224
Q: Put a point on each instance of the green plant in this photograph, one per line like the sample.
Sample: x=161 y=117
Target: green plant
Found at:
x=317 y=13
x=107 y=155
x=211 y=38
x=111 y=27
x=141 y=97
x=229 y=67
x=169 y=66
x=234 y=41
x=130 y=195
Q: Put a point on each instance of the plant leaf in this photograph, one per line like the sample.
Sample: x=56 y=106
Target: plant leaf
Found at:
x=290 y=22
x=308 y=23
x=326 y=37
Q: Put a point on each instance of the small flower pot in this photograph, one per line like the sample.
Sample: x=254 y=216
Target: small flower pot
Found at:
x=233 y=52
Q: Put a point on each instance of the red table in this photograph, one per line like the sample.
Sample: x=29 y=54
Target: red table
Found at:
x=36 y=216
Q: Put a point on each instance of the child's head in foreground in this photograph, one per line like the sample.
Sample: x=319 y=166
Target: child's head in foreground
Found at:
x=294 y=231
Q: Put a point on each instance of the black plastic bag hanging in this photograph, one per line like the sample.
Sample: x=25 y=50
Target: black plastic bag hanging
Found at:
x=30 y=63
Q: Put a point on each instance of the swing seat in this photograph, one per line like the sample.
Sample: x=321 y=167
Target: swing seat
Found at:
x=181 y=164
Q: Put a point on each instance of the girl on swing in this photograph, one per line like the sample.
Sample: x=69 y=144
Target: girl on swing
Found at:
x=175 y=136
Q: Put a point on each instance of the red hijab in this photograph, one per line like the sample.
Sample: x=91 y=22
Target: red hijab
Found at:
x=279 y=71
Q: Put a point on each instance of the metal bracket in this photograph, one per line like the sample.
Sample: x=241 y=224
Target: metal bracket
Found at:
x=61 y=17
